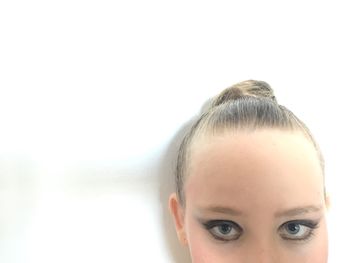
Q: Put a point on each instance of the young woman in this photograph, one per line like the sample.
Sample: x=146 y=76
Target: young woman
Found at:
x=250 y=183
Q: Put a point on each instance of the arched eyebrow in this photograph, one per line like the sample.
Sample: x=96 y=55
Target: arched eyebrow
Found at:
x=221 y=210
x=300 y=210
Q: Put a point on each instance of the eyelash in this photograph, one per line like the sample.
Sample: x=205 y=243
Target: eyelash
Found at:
x=311 y=225
x=212 y=224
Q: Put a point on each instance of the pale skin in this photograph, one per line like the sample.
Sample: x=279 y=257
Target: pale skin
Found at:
x=253 y=197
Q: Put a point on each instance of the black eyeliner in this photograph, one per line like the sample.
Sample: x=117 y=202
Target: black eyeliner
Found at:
x=213 y=223
x=309 y=223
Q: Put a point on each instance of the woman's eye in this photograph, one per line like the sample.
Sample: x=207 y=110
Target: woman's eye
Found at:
x=298 y=230
x=223 y=230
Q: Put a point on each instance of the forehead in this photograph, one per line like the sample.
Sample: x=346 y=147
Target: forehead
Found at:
x=261 y=169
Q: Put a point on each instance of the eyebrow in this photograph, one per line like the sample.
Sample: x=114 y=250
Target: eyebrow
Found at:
x=299 y=211
x=288 y=212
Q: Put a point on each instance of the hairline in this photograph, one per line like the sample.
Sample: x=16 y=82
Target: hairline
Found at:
x=203 y=133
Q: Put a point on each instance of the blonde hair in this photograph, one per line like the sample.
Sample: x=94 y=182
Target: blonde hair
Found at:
x=247 y=105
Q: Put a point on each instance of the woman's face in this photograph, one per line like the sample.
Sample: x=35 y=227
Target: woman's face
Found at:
x=253 y=197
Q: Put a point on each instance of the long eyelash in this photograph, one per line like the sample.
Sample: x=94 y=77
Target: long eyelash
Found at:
x=213 y=223
x=310 y=224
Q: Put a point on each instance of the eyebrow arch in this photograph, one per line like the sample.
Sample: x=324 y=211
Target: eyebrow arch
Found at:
x=289 y=212
x=222 y=210
x=299 y=210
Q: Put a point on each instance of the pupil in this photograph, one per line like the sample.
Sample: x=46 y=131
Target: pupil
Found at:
x=224 y=229
x=293 y=228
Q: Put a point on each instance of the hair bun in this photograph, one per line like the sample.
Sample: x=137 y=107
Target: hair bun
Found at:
x=252 y=88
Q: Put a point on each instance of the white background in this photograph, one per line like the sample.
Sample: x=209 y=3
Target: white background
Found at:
x=95 y=95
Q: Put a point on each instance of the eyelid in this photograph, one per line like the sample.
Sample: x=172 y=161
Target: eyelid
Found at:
x=305 y=222
x=212 y=223
x=311 y=224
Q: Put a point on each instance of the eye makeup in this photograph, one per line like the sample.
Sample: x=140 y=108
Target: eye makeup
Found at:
x=294 y=230
x=224 y=230
x=298 y=230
